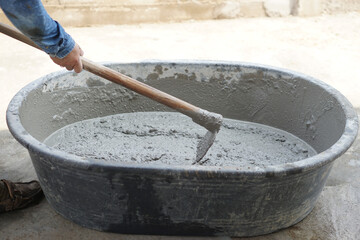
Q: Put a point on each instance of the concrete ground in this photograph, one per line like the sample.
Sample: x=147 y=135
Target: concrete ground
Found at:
x=325 y=47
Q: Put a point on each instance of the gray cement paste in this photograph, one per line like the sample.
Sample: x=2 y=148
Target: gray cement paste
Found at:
x=171 y=138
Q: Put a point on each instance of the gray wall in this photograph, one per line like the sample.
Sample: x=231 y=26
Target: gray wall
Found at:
x=99 y=12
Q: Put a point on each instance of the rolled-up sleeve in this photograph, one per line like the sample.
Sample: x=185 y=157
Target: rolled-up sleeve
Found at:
x=31 y=18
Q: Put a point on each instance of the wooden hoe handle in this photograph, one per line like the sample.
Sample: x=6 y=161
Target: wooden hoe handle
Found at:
x=211 y=121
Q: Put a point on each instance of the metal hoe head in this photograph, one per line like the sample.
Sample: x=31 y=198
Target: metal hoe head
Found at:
x=212 y=122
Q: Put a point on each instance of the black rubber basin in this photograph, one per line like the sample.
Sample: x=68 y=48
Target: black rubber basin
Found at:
x=185 y=200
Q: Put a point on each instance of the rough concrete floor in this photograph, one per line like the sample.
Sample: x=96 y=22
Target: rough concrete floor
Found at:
x=326 y=47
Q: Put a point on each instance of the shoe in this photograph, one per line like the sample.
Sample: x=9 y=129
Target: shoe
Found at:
x=19 y=195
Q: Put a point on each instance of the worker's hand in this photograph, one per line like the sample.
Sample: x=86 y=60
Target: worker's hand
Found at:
x=72 y=60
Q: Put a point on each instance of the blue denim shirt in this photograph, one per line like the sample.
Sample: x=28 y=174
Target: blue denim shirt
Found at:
x=31 y=18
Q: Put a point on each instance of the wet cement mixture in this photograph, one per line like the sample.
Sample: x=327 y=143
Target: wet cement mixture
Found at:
x=171 y=138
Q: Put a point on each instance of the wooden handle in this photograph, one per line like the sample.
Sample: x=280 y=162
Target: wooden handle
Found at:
x=14 y=33
x=117 y=77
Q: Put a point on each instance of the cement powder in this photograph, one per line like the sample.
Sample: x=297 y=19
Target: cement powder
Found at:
x=171 y=138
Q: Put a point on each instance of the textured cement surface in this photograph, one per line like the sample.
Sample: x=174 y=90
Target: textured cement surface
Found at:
x=326 y=47
x=170 y=138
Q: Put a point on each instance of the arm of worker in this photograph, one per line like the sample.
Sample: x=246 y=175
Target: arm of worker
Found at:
x=31 y=18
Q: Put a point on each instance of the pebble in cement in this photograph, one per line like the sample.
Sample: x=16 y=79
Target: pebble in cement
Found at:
x=171 y=138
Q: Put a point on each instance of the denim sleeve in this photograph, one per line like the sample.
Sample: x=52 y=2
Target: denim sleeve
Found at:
x=31 y=18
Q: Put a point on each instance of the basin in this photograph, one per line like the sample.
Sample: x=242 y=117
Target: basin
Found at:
x=165 y=199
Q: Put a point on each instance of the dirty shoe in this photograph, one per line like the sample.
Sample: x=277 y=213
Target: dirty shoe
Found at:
x=18 y=195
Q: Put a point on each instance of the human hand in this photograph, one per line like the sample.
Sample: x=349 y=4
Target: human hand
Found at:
x=72 y=61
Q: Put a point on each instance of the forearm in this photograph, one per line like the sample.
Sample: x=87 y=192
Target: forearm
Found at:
x=31 y=18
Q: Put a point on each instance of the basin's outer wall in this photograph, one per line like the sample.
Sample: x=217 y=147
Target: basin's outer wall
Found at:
x=171 y=202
